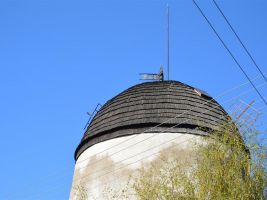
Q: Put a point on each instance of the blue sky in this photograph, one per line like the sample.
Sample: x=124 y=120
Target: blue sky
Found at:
x=59 y=59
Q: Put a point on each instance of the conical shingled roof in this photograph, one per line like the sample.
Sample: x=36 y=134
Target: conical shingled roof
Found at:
x=148 y=104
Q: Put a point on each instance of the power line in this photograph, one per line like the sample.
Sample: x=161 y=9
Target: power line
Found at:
x=134 y=162
x=130 y=145
x=130 y=138
x=228 y=50
x=148 y=130
x=151 y=129
x=163 y=131
x=218 y=96
x=224 y=102
x=239 y=39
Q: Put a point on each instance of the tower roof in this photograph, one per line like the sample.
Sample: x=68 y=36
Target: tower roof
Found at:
x=148 y=104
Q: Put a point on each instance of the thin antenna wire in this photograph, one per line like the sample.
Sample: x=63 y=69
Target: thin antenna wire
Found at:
x=228 y=50
x=224 y=93
x=168 y=41
x=179 y=115
x=154 y=153
x=166 y=130
x=240 y=41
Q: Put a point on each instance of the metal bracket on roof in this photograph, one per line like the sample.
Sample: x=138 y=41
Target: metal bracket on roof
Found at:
x=245 y=114
x=153 y=77
x=97 y=108
x=201 y=92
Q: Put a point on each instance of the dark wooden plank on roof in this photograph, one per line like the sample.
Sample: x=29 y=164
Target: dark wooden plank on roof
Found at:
x=151 y=103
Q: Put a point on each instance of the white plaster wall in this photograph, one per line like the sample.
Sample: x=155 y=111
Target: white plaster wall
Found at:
x=108 y=165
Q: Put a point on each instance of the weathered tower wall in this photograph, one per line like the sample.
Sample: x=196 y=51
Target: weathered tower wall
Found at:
x=106 y=167
x=154 y=115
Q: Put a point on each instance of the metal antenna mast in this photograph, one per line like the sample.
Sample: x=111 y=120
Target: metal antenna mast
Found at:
x=168 y=41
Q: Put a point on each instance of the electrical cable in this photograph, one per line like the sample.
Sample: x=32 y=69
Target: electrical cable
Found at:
x=143 y=158
x=151 y=129
x=154 y=135
x=166 y=130
x=224 y=93
x=240 y=41
x=218 y=105
x=174 y=145
x=228 y=50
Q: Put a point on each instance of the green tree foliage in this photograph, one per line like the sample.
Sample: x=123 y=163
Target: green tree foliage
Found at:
x=224 y=165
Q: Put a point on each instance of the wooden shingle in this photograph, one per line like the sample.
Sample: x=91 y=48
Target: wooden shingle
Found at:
x=148 y=104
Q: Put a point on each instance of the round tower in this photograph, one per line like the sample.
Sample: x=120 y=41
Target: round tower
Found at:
x=133 y=127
